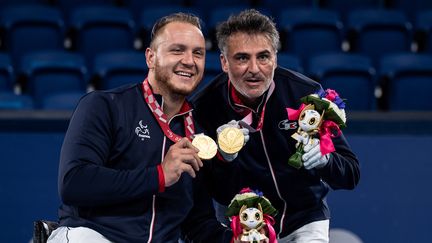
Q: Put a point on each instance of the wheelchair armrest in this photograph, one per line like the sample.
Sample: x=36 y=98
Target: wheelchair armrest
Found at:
x=42 y=230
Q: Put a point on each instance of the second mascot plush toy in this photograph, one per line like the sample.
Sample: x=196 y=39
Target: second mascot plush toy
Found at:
x=251 y=216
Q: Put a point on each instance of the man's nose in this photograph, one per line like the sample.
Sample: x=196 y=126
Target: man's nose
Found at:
x=188 y=58
x=253 y=66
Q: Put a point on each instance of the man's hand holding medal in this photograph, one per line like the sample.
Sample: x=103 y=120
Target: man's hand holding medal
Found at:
x=231 y=139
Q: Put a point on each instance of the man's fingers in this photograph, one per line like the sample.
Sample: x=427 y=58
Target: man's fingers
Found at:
x=245 y=134
x=181 y=143
x=188 y=169
x=311 y=156
x=198 y=160
x=190 y=156
x=219 y=129
x=191 y=160
x=233 y=123
x=184 y=143
x=308 y=147
x=310 y=150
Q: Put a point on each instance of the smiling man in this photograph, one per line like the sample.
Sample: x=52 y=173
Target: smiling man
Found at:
x=128 y=171
x=253 y=94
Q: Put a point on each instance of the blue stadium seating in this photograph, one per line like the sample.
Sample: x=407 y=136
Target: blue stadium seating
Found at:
x=216 y=16
x=353 y=76
x=275 y=6
x=11 y=101
x=289 y=61
x=137 y=6
x=62 y=101
x=98 y=29
x=113 y=69
x=379 y=32
x=423 y=26
x=344 y=7
x=311 y=31
x=7 y=77
x=148 y=16
x=407 y=81
x=68 y=6
x=96 y=24
x=6 y=3
x=411 y=7
x=212 y=69
x=50 y=73
x=31 y=28
x=209 y=6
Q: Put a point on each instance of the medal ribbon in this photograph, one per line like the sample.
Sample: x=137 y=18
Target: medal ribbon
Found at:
x=248 y=119
x=162 y=118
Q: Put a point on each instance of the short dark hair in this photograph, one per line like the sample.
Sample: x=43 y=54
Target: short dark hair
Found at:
x=175 y=17
x=249 y=21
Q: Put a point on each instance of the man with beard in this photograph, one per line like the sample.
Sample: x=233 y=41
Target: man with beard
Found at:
x=253 y=93
x=128 y=170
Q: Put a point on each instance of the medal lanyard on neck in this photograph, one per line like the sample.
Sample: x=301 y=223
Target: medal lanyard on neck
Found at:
x=248 y=119
x=162 y=118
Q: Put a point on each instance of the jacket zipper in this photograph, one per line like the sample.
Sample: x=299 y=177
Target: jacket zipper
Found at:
x=275 y=182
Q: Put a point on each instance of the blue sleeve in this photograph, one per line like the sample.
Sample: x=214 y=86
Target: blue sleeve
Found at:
x=84 y=177
x=343 y=169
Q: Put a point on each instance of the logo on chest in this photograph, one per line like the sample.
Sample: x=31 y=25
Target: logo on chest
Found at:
x=287 y=125
x=142 y=131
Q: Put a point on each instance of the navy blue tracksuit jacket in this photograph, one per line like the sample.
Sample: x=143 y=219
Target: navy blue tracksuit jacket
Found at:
x=262 y=164
x=108 y=178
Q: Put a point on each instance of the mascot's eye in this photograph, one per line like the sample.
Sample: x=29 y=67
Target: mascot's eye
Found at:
x=302 y=116
x=312 y=121
x=257 y=216
x=244 y=216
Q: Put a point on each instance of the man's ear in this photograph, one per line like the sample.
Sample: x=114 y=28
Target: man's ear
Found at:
x=224 y=63
x=150 y=57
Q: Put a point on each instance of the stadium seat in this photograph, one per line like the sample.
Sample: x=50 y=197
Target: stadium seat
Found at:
x=216 y=16
x=379 y=32
x=7 y=3
x=311 y=31
x=411 y=7
x=407 y=80
x=137 y=6
x=30 y=28
x=209 y=6
x=98 y=29
x=423 y=27
x=11 y=101
x=343 y=6
x=289 y=61
x=50 y=73
x=353 y=76
x=150 y=15
x=70 y=5
x=275 y=6
x=113 y=69
x=212 y=69
x=7 y=77
x=62 y=101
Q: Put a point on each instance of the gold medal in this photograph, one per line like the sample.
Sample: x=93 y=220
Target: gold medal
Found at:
x=231 y=140
x=206 y=145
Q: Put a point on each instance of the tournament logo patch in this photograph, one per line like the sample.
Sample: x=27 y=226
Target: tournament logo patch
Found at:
x=287 y=125
x=142 y=131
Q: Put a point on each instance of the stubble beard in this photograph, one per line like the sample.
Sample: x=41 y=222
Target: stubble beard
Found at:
x=163 y=77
